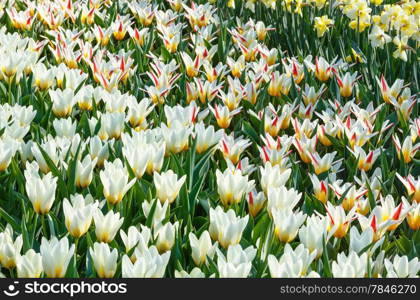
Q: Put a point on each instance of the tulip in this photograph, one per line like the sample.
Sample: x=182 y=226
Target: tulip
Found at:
x=104 y=260
x=339 y=222
x=322 y=164
x=165 y=236
x=282 y=198
x=195 y=273
x=78 y=214
x=113 y=124
x=63 y=102
x=29 y=265
x=41 y=192
x=98 y=150
x=159 y=213
x=64 y=127
x=206 y=137
x=226 y=227
x=149 y=264
x=352 y=266
x=273 y=177
x=106 y=227
x=9 y=249
x=287 y=224
x=8 y=148
x=401 y=267
x=237 y=263
x=312 y=234
x=232 y=186
x=84 y=171
x=114 y=178
x=233 y=148
x=201 y=248
x=346 y=84
x=320 y=188
x=293 y=263
x=167 y=185
x=407 y=151
x=56 y=255
x=256 y=202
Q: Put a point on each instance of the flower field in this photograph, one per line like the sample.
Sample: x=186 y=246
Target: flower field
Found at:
x=238 y=138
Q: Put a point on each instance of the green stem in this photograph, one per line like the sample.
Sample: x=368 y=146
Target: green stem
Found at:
x=44 y=226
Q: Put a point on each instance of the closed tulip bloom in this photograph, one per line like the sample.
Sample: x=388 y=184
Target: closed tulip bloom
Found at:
x=63 y=101
x=98 y=150
x=351 y=266
x=320 y=188
x=167 y=185
x=282 y=198
x=195 y=273
x=41 y=192
x=339 y=221
x=401 y=267
x=113 y=124
x=293 y=263
x=149 y=264
x=104 y=260
x=9 y=248
x=322 y=164
x=232 y=186
x=346 y=84
x=407 y=150
x=64 y=127
x=176 y=137
x=84 y=171
x=206 y=137
x=312 y=234
x=29 y=265
x=237 y=263
x=8 y=148
x=114 y=178
x=136 y=238
x=413 y=214
x=226 y=227
x=273 y=176
x=56 y=255
x=360 y=241
x=159 y=213
x=78 y=213
x=165 y=236
x=256 y=202
x=287 y=224
x=106 y=227
x=201 y=248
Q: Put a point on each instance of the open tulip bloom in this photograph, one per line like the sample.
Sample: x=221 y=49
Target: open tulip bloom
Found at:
x=210 y=139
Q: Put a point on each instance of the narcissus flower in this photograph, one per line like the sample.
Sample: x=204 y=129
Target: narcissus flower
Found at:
x=322 y=25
